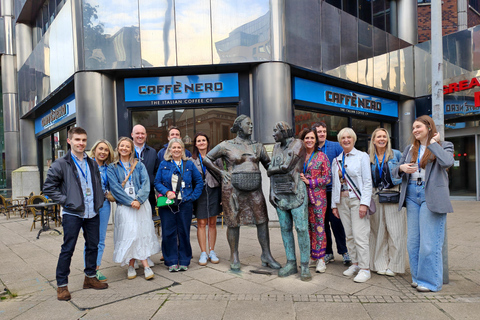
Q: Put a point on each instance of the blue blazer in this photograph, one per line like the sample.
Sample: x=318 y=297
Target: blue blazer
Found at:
x=192 y=178
x=141 y=182
x=392 y=164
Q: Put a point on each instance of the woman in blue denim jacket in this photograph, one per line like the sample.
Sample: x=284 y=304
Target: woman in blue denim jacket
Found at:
x=134 y=234
x=387 y=225
x=176 y=219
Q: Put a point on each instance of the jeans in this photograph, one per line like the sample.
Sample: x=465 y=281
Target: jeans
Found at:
x=104 y=214
x=337 y=228
x=176 y=247
x=71 y=228
x=426 y=231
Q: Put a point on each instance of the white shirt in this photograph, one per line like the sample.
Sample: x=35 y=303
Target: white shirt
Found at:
x=357 y=165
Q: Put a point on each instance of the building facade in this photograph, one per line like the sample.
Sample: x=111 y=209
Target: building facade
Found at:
x=108 y=65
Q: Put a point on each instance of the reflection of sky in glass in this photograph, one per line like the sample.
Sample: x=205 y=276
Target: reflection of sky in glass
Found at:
x=115 y=14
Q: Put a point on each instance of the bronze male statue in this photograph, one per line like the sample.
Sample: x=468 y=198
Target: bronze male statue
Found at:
x=288 y=194
x=242 y=196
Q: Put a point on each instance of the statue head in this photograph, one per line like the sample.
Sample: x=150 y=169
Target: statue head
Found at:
x=242 y=125
x=282 y=130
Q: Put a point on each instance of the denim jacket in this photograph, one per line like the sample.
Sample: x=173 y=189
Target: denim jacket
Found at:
x=392 y=164
x=141 y=182
x=192 y=178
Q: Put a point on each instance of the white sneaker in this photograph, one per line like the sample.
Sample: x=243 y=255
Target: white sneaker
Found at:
x=321 y=267
x=382 y=272
x=150 y=262
x=203 y=259
x=148 y=274
x=362 y=276
x=213 y=257
x=390 y=273
x=131 y=274
x=351 y=270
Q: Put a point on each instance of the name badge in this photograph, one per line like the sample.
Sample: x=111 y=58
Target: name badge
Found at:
x=88 y=192
x=130 y=191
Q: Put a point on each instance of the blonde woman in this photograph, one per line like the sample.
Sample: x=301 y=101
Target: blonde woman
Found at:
x=351 y=195
x=177 y=178
x=134 y=235
x=102 y=153
x=388 y=227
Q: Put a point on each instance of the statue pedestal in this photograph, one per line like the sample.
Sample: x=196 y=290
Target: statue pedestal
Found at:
x=25 y=180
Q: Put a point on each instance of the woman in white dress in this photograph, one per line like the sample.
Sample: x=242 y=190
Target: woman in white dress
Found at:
x=134 y=235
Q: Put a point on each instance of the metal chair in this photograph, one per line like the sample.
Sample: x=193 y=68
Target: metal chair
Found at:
x=37 y=214
x=7 y=206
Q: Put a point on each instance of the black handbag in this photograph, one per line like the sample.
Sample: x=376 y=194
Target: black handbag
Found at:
x=388 y=196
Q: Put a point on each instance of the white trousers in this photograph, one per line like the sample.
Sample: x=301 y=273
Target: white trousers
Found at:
x=357 y=231
x=388 y=237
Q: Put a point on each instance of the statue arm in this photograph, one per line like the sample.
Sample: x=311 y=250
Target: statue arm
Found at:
x=264 y=158
x=208 y=161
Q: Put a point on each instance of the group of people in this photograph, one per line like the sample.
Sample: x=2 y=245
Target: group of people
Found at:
x=315 y=183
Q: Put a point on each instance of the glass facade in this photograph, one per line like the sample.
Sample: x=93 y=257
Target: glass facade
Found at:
x=3 y=177
x=214 y=122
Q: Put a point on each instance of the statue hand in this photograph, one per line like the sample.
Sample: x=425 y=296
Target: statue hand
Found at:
x=273 y=200
x=226 y=177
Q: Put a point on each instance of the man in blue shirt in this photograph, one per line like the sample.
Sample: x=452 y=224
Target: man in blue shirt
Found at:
x=332 y=150
x=173 y=132
x=74 y=182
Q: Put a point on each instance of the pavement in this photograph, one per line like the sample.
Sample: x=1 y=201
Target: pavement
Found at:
x=27 y=272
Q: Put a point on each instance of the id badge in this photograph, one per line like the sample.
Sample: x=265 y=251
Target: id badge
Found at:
x=130 y=191
x=183 y=184
x=88 y=192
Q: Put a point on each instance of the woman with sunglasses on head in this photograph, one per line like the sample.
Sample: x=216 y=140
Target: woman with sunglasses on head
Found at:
x=134 y=235
x=207 y=207
x=388 y=227
x=424 y=191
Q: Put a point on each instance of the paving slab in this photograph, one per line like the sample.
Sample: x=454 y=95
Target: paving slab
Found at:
x=125 y=309
x=265 y=310
x=401 y=311
x=48 y=310
x=306 y=310
x=238 y=286
x=193 y=309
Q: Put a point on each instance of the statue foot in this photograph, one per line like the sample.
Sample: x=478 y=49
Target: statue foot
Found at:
x=289 y=269
x=235 y=266
x=305 y=272
x=268 y=261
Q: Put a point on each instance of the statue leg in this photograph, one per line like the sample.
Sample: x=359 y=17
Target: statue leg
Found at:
x=263 y=235
x=233 y=236
x=300 y=217
x=286 y=227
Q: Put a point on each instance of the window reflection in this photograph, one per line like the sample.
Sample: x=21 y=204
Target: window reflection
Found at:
x=214 y=122
x=47 y=155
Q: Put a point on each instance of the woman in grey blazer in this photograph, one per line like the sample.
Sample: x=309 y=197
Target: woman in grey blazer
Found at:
x=425 y=193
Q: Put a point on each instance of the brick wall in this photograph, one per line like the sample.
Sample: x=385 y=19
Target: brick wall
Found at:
x=473 y=18
x=449 y=16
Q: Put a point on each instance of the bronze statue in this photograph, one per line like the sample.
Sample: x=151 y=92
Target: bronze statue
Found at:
x=242 y=196
x=288 y=194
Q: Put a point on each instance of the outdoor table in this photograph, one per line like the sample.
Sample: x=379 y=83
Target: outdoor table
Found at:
x=43 y=206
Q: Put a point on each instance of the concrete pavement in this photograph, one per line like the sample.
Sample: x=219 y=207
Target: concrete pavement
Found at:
x=27 y=270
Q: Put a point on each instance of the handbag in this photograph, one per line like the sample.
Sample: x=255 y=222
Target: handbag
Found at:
x=163 y=201
x=388 y=196
x=373 y=207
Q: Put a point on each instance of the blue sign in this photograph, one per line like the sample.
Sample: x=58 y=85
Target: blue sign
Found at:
x=56 y=115
x=178 y=90
x=460 y=108
x=343 y=100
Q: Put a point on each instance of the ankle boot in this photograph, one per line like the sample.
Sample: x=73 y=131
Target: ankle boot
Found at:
x=63 y=294
x=93 y=283
x=289 y=269
x=305 y=273
x=268 y=261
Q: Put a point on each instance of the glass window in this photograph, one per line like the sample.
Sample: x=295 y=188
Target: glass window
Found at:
x=305 y=119
x=214 y=122
x=47 y=155
x=379 y=13
x=365 y=10
x=364 y=130
x=475 y=4
x=61 y=145
x=350 y=6
x=462 y=174
x=336 y=3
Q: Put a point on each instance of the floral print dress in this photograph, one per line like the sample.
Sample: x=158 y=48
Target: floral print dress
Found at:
x=318 y=173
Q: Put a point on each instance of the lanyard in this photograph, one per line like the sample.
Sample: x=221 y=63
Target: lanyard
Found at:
x=126 y=172
x=305 y=165
x=201 y=164
x=103 y=174
x=380 y=169
x=343 y=165
x=181 y=167
x=138 y=155
x=418 y=160
x=84 y=174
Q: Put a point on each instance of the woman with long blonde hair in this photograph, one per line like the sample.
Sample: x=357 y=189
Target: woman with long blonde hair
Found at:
x=134 y=235
x=387 y=226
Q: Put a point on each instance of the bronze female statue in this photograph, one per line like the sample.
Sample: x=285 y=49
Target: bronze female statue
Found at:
x=242 y=196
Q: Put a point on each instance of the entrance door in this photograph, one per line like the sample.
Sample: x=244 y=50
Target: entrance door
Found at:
x=463 y=175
